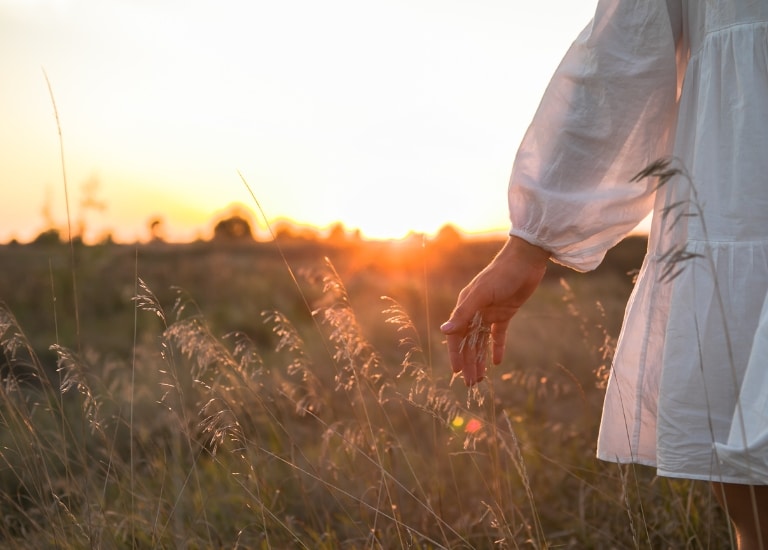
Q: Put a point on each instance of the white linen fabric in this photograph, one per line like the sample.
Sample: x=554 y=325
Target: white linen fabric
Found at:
x=688 y=80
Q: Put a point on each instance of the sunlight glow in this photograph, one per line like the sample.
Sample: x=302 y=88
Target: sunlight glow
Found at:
x=391 y=117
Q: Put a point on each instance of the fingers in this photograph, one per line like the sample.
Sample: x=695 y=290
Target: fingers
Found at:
x=458 y=321
x=470 y=301
x=468 y=354
x=498 y=341
x=455 y=353
x=480 y=362
x=464 y=359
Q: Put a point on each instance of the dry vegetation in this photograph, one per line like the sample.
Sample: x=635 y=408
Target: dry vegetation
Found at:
x=200 y=396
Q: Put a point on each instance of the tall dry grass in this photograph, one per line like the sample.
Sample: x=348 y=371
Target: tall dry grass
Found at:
x=318 y=439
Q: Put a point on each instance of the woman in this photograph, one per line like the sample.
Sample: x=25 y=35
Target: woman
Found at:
x=647 y=80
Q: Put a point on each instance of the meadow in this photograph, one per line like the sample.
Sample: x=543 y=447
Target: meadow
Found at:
x=297 y=394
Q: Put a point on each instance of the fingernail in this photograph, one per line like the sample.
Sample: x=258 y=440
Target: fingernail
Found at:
x=447 y=326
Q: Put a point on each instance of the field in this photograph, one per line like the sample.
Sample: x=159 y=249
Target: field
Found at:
x=296 y=394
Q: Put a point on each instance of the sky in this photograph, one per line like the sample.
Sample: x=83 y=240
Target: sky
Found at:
x=388 y=116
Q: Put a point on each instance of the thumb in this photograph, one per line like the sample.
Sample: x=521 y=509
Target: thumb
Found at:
x=458 y=321
x=449 y=327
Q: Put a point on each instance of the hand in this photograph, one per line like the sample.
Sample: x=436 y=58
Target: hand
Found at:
x=496 y=293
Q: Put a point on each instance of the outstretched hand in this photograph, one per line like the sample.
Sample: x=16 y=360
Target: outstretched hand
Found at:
x=496 y=293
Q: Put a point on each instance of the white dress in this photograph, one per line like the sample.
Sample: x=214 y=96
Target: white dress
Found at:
x=688 y=80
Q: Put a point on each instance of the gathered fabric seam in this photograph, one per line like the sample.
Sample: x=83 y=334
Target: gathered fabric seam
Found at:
x=709 y=34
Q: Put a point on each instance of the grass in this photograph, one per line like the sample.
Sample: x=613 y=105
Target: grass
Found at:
x=231 y=415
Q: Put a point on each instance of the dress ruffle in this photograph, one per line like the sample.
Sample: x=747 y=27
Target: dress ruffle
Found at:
x=746 y=449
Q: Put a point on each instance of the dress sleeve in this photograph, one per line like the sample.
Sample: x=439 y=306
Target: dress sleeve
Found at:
x=608 y=112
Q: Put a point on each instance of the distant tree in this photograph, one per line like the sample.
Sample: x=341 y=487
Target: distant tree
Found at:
x=49 y=236
x=337 y=234
x=106 y=239
x=156 y=230
x=47 y=208
x=448 y=236
x=285 y=230
x=89 y=202
x=233 y=228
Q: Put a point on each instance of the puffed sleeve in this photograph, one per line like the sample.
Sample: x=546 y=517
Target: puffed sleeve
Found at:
x=608 y=112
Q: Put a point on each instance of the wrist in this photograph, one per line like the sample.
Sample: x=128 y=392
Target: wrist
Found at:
x=518 y=248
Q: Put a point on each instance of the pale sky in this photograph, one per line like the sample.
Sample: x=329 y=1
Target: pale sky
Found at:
x=389 y=116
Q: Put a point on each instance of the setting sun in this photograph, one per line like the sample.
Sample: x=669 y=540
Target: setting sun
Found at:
x=389 y=117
